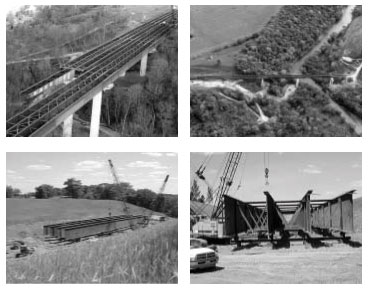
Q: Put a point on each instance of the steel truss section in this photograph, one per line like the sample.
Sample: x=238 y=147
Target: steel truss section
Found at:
x=309 y=217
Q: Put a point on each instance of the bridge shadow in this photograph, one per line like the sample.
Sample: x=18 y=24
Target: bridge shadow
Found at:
x=207 y=270
x=248 y=245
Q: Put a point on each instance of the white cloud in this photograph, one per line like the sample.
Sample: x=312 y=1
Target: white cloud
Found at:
x=39 y=167
x=312 y=169
x=171 y=154
x=146 y=164
x=157 y=172
x=356 y=184
x=10 y=171
x=356 y=165
x=153 y=154
x=88 y=165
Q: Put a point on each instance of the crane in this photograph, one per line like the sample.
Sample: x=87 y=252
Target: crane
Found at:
x=162 y=188
x=117 y=182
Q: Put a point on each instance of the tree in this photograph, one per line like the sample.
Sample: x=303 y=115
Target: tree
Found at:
x=12 y=192
x=44 y=191
x=74 y=188
x=195 y=193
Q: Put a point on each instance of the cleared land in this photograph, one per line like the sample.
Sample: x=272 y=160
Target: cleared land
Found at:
x=299 y=264
x=26 y=217
x=334 y=263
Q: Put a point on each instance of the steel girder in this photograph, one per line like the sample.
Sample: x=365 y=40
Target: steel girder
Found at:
x=336 y=214
x=302 y=217
x=275 y=219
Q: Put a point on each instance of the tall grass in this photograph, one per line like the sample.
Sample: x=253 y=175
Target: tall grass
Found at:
x=146 y=255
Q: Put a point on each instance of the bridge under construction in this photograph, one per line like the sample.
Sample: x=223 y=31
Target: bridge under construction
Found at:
x=84 y=79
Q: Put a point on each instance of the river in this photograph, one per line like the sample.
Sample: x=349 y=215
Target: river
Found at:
x=345 y=20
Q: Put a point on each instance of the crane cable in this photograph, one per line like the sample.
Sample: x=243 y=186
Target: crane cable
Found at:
x=242 y=174
x=266 y=165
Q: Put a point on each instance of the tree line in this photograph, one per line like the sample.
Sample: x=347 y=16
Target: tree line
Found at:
x=164 y=203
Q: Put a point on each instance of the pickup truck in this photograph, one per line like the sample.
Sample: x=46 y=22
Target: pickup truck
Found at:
x=202 y=256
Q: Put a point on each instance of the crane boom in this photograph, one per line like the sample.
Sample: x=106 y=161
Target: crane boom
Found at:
x=162 y=188
x=117 y=182
x=226 y=181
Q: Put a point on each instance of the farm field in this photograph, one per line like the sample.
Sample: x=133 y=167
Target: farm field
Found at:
x=147 y=255
x=299 y=264
x=208 y=29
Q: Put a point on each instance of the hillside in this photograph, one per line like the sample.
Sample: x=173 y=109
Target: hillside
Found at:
x=26 y=217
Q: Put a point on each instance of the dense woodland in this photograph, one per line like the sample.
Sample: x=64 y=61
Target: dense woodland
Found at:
x=309 y=112
x=165 y=203
x=287 y=37
x=150 y=106
x=59 y=29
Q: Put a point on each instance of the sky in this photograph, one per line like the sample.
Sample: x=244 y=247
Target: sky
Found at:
x=291 y=175
x=26 y=171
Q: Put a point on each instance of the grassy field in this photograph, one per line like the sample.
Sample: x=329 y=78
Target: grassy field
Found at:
x=147 y=255
x=26 y=217
x=220 y=24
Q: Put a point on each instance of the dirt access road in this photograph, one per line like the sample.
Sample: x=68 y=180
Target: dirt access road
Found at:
x=299 y=264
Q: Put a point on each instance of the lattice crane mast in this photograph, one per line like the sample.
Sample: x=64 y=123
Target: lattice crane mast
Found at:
x=226 y=180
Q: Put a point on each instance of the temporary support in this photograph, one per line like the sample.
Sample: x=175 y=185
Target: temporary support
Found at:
x=144 y=64
x=68 y=126
x=96 y=113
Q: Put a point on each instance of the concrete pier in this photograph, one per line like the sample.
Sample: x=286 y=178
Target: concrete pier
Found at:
x=68 y=126
x=144 y=64
x=95 y=116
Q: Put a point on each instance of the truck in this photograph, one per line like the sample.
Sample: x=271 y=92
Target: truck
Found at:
x=202 y=256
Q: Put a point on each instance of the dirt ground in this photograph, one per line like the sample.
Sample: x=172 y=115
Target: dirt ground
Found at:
x=298 y=264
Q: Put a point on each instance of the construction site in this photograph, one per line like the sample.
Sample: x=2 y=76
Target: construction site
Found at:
x=41 y=230
x=268 y=231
